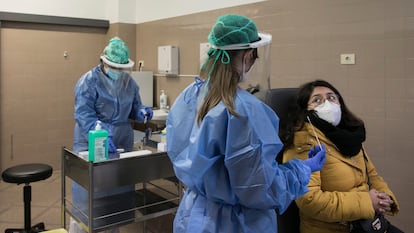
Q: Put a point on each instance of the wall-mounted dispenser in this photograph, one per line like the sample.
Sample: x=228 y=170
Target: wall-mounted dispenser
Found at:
x=168 y=60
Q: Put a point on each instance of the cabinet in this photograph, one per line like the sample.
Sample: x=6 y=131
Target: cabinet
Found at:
x=147 y=200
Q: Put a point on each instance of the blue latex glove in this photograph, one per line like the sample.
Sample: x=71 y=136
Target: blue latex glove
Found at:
x=149 y=112
x=111 y=145
x=317 y=158
x=145 y=114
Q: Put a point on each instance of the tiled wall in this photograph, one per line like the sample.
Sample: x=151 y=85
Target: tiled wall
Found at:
x=36 y=81
x=308 y=38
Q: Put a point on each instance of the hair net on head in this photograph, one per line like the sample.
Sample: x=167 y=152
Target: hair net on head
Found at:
x=233 y=32
x=233 y=29
x=116 y=54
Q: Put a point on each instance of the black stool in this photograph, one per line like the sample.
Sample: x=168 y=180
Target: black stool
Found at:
x=25 y=174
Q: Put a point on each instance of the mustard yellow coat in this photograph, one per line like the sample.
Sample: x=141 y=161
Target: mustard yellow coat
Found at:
x=338 y=193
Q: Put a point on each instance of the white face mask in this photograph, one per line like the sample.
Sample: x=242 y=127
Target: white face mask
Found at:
x=330 y=112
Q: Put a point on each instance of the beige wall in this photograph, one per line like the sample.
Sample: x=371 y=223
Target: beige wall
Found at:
x=308 y=38
x=36 y=81
x=37 y=84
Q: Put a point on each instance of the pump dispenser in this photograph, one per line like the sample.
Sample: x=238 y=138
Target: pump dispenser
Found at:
x=163 y=100
x=98 y=144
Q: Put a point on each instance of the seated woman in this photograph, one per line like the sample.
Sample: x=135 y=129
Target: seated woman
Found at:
x=339 y=193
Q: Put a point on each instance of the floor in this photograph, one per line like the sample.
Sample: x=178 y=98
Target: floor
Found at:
x=46 y=207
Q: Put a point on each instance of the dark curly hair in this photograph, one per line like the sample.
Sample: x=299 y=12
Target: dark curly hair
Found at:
x=298 y=110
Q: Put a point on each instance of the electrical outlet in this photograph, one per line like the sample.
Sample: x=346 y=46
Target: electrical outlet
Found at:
x=141 y=63
x=348 y=59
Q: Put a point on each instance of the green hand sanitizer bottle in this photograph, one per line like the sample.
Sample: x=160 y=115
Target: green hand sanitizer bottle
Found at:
x=98 y=144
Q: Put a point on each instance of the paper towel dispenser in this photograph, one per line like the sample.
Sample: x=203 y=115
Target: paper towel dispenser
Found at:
x=168 y=60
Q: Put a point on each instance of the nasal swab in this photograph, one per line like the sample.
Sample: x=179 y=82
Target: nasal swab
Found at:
x=314 y=132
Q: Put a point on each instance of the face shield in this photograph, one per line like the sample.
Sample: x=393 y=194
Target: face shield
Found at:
x=116 y=54
x=121 y=67
x=115 y=79
x=117 y=70
x=257 y=81
x=116 y=65
x=116 y=73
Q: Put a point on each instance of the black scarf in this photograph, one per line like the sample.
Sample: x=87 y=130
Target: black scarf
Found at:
x=348 y=141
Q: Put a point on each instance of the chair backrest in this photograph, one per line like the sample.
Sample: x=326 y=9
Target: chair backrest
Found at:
x=280 y=100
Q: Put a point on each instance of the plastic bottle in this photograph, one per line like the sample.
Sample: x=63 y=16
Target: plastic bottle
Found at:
x=163 y=100
x=98 y=144
x=162 y=145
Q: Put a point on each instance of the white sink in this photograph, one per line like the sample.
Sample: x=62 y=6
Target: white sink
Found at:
x=159 y=115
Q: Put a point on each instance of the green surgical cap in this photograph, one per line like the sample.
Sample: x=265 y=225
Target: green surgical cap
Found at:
x=232 y=32
x=116 y=54
x=233 y=29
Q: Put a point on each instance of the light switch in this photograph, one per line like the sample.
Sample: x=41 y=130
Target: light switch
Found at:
x=348 y=59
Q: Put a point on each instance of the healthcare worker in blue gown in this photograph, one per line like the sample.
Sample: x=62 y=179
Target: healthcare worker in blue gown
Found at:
x=107 y=93
x=223 y=142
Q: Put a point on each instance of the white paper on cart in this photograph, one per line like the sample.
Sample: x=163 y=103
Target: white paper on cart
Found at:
x=134 y=153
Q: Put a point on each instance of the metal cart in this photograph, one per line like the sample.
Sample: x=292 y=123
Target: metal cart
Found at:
x=142 y=203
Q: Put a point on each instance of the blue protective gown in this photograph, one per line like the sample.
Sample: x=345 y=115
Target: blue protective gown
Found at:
x=97 y=97
x=228 y=164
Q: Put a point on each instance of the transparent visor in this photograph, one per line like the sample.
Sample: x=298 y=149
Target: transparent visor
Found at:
x=264 y=39
x=257 y=81
x=116 y=80
x=120 y=71
x=107 y=62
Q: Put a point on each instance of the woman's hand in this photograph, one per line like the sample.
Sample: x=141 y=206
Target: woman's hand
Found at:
x=381 y=201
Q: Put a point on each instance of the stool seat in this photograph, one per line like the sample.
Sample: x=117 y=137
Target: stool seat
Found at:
x=27 y=173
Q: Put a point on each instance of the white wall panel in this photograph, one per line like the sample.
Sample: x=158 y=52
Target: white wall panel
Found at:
x=124 y=11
